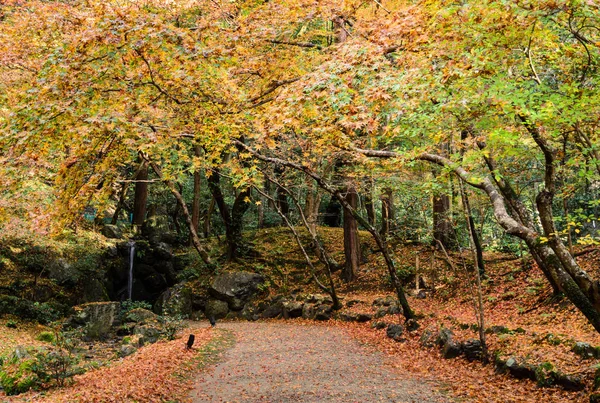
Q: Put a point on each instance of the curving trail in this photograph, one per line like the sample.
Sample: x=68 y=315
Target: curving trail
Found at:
x=287 y=362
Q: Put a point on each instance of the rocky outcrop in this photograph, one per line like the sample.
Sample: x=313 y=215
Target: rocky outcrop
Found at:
x=96 y=318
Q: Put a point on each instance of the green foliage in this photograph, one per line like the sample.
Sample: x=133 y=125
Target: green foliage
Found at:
x=545 y=374
x=46 y=336
x=172 y=325
x=17 y=375
x=128 y=305
x=43 y=313
x=11 y=324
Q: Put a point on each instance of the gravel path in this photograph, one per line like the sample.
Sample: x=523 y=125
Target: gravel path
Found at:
x=283 y=362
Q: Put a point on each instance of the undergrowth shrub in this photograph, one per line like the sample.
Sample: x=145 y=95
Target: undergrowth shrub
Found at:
x=40 y=368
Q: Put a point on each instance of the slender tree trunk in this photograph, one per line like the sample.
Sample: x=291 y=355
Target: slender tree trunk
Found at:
x=387 y=212
x=232 y=218
x=442 y=225
x=478 y=268
x=369 y=205
x=197 y=196
x=351 y=239
x=120 y=203
x=208 y=217
x=141 y=197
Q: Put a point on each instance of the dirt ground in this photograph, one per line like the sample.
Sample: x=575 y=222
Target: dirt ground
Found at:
x=298 y=362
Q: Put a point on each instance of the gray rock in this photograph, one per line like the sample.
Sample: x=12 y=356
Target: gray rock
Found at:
x=427 y=338
x=412 y=325
x=520 y=370
x=585 y=350
x=381 y=312
x=232 y=286
x=472 y=349
x=273 y=311
x=94 y=291
x=394 y=309
x=175 y=301
x=443 y=336
x=390 y=300
x=236 y=304
x=216 y=308
x=250 y=312
x=163 y=251
x=379 y=302
x=96 y=317
x=21 y=353
x=364 y=317
x=308 y=311
x=496 y=329
x=379 y=325
x=451 y=349
x=155 y=282
x=352 y=302
x=323 y=312
x=126 y=350
x=570 y=382
x=395 y=332
x=356 y=317
x=319 y=299
x=64 y=273
x=292 y=309
x=112 y=231
x=148 y=333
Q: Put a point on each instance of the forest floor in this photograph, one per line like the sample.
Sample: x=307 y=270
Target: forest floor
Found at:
x=160 y=372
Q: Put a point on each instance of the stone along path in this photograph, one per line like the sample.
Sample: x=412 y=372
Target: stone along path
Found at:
x=283 y=362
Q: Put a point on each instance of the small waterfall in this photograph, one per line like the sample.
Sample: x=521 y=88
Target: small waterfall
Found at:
x=130 y=278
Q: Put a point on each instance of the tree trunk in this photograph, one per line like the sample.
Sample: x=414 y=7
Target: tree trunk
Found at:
x=351 y=239
x=208 y=217
x=197 y=194
x=387 y=212
x=140 y=198
x=232 y=218
x=282 y=202
x=442 y=226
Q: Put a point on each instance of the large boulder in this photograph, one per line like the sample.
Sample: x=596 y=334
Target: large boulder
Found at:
x=175 y=301
x=236 y=288
x=97 y=318
x=273 y=311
